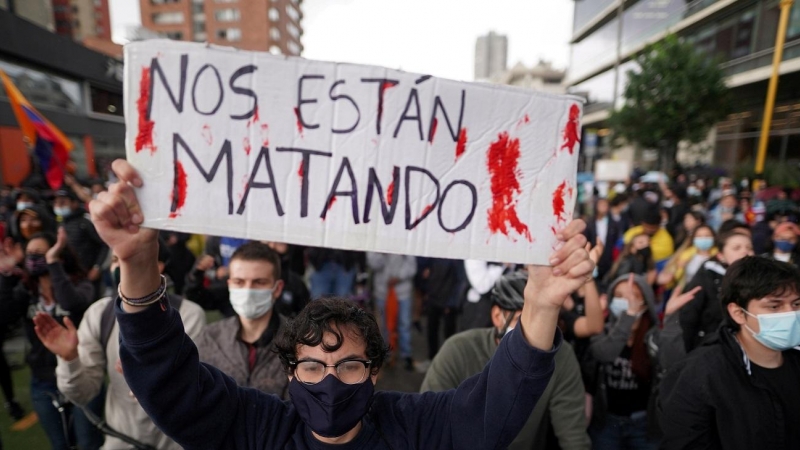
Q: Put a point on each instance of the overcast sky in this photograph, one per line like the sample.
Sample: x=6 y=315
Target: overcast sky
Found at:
x=434 y=37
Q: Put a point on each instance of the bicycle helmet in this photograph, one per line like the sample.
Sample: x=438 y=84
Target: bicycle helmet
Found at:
x=508 y=291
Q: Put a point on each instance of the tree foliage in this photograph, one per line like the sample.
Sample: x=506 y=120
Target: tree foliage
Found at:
x=677 y=95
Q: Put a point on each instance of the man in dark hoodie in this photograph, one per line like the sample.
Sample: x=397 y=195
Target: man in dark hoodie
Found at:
x=740 y=389
x=91 y=250
x=332 y=353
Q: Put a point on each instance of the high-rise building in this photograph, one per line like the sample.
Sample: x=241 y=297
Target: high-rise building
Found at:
x=265 y=25
x=39 y=12
x=542 y=77
x=82 y=19
x=608 y=34
x=491 y=54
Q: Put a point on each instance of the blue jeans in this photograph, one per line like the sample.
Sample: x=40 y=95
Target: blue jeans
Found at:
x=332 y=279
x=79 y=428
x=623 y=433
x=404 y=307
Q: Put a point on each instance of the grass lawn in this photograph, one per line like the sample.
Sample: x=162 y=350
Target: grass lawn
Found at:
x=32 y=438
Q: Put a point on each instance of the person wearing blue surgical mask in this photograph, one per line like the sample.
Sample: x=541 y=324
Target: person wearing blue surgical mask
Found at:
x=741 y=390
x=784 y=242
x=241 y=345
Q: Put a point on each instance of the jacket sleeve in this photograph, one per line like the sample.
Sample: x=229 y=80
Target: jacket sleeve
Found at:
x=482 y=275
x=13 y=299
x=607 y=346
x=487 y=410
x=691 y=314
x=687 y=418
x=376 y=261
x=408 y=269
x=671 y=348
x=568 y=403
x=80 y=380
x=196 y=405
x=102 y=255
x=444 y=372
x=72 y=297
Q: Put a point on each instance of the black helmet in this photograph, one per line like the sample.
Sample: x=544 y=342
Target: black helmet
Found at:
x=508 y=291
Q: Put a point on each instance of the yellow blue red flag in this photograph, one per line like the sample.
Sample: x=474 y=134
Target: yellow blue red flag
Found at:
x=51 y=146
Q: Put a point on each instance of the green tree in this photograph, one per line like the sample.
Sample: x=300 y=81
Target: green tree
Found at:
x=677 y=95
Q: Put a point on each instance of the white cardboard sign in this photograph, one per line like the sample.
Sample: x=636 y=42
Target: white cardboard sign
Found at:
x=612 y=170
x=252 y=145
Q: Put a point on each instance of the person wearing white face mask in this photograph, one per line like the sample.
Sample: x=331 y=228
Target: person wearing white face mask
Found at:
x=241 y=346
x=741 y=390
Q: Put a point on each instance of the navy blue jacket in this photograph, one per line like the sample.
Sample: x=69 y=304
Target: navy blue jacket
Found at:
x=201 y=408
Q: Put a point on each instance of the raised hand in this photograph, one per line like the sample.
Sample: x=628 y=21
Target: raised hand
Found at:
x=679 y=299
x=571 y=268
x=548 y=287
x=117 y=216
x=54 y=254
x=60 y=340
x=595 y=252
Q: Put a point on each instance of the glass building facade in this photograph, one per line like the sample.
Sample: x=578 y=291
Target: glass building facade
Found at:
x=740 y=34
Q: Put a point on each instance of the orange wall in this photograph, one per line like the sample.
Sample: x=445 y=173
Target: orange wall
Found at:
x=14 y=161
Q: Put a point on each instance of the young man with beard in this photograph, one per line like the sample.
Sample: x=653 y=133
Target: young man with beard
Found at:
x=332 y=353
x=241 y=345
x=741 y=390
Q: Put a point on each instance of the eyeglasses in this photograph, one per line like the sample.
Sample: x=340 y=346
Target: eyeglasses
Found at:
x=348 y=371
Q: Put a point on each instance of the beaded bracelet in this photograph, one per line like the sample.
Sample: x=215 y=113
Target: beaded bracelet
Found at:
x=148 y=299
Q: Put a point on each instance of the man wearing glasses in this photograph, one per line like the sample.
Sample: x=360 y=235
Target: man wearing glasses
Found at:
x=332 y=353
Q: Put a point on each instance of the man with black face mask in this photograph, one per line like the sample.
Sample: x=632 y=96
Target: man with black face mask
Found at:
x=332 y=353
x=466 y=353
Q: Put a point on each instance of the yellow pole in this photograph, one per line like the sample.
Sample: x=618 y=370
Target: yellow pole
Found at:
x=780 y=39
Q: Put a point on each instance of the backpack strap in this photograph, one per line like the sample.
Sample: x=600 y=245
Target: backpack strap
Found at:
x=108 y=320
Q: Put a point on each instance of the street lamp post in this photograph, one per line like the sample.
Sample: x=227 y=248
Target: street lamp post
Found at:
x=780 y=39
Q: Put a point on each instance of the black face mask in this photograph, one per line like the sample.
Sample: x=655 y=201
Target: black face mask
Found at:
x=645 y=253
x=36 y=264
x=331 y=408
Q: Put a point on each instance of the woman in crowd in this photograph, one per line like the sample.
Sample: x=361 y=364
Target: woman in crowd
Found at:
x=689 y=257
x=623 y=414
x=52 y=283
x=691 y=220
x=704 y=314
x=635 y=258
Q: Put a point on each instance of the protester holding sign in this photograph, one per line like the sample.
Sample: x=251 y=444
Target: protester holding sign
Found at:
x=201 y=408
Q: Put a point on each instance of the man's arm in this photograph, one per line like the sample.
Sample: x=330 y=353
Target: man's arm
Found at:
x=81 y=378
x=568 y=402
x=607 y=346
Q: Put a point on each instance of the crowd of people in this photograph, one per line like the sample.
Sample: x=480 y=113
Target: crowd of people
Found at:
x=680 y=337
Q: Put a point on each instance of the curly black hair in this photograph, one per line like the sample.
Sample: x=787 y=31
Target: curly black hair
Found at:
x=335 y=316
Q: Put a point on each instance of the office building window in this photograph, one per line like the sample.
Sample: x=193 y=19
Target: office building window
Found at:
x=292 y=12
x=163 y=2
x=230 y=34
x=176 y=35
x=274 y=15
x=225 y=1
x=294 y=49
x=227 y=15
x=168 y=18
x=199 y=27
x=275 y=50
x=275 y=34
x=44 y=90
x=105 y=102
x=293 y=30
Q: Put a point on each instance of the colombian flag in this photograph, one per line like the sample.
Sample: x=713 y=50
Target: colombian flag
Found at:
x=50 y=145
